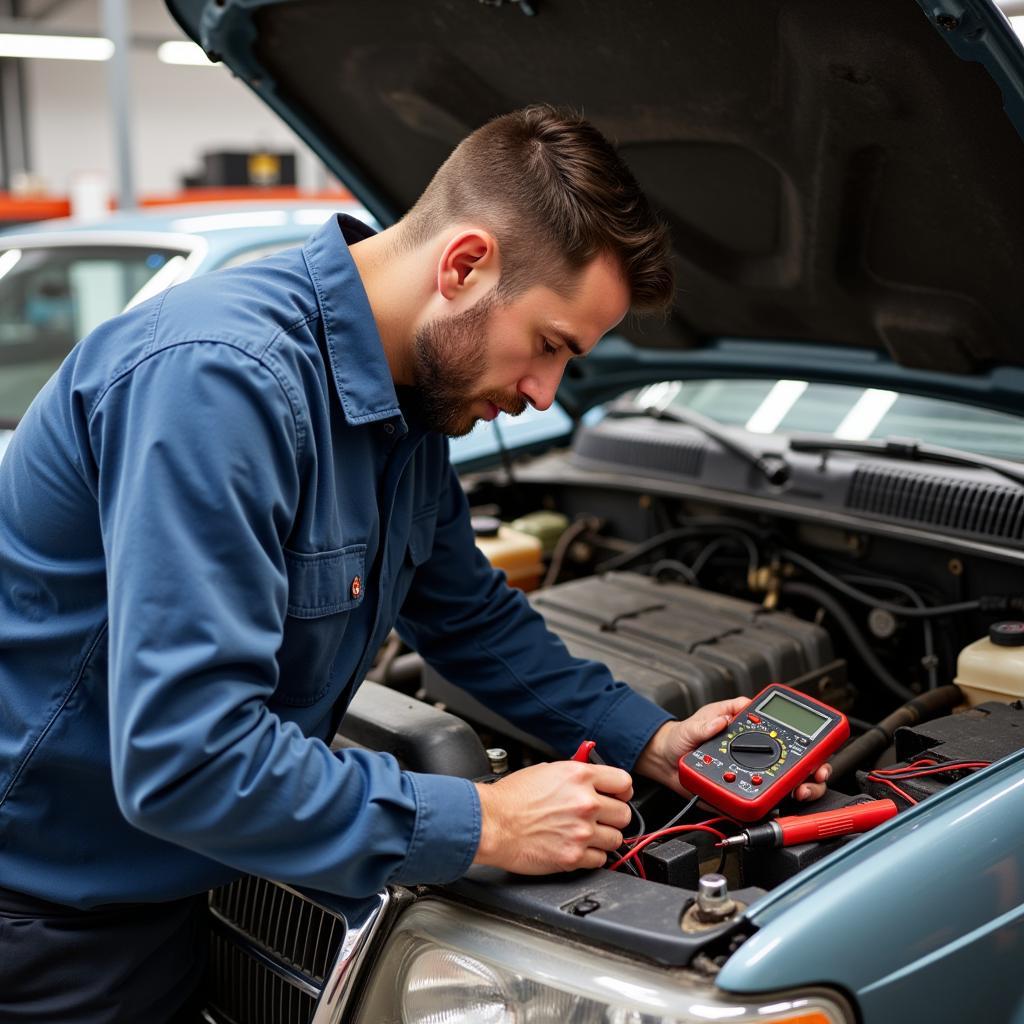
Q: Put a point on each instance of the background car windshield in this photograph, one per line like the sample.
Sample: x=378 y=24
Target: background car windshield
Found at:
x=841 y=411
x=51 y=297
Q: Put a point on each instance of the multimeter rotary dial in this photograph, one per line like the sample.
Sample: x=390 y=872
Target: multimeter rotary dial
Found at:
x=754 y=749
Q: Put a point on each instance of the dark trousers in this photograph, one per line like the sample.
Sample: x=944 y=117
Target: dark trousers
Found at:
x=119 y=964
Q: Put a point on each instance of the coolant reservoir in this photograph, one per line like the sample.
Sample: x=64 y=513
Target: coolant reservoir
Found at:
x=546 y=526
x=517 y=553
x=992 y=668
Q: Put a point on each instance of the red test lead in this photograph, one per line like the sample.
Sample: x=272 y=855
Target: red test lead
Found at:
x=585 y=753
x=813 y=828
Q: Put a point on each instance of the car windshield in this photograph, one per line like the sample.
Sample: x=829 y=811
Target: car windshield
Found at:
x=841 y=412
x=52 y=296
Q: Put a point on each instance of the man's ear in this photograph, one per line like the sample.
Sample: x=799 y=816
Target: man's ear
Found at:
x=469 y=264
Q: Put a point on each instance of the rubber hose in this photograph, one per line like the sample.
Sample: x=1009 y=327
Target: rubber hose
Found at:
x=849 y=627
x=867 y=747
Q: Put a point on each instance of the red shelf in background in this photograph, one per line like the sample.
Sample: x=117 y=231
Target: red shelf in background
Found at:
x=19 y=210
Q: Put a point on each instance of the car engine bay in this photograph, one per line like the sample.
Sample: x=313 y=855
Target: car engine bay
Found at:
x=697 y=574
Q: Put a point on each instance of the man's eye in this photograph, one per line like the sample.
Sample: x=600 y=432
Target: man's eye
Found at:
x=549 y=349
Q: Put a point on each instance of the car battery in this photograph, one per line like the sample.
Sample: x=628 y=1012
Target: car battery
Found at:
x=986 y=732
x=679 y=646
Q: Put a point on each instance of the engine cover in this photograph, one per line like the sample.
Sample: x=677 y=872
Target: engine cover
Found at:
x=679 y=646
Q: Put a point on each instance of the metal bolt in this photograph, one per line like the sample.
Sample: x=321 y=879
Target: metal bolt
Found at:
x=498 y=757
x=955 y=567
x=882 y=623
x=713 y=900
x=948 y=22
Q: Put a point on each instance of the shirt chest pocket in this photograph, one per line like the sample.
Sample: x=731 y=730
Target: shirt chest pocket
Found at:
x=325 y=583
x=324 y=590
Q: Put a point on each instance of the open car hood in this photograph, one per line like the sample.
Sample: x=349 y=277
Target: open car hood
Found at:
x=833 y=173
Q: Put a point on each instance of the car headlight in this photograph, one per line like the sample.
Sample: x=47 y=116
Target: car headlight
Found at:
x=444 y=964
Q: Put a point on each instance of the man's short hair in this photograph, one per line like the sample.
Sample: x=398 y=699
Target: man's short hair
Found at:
x=555 y=194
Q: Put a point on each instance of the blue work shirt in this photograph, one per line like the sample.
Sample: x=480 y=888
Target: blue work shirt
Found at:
x=210 y=519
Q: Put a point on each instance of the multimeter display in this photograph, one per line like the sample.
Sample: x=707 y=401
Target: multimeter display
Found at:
x=778 y=740
x=797 y=716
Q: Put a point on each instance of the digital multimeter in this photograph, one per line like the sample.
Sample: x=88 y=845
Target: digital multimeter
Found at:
x=778 y=740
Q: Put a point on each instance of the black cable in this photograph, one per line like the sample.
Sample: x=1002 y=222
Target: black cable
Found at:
x=696 y=528
x=624 y=849
x=849 y=627
x=645 y=547
x=705 y=553
x=674 y=565
x=859 y=595
x=628 y=864
x=682 y=814
x=930 y=660
x=506 y=459
x=639 y=818
x=721 y=860
x=709 y=549
x=561 y=548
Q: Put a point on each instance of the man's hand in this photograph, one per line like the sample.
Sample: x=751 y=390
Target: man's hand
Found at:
x=553 y=817
x=659 y=758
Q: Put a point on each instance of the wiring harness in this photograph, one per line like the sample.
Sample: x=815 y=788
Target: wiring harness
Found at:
x=889 y=777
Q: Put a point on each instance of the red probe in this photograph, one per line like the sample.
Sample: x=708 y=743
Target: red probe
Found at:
x=814 y=828
x=585 y=753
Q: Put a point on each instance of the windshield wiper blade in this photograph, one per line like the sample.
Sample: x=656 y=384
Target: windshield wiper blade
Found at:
x=913 y=451
x=774 y=468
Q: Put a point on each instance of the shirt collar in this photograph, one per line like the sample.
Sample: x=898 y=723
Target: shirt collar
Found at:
x=358 y=364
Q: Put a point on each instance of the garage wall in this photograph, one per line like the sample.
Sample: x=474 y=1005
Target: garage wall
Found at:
x=177 y=112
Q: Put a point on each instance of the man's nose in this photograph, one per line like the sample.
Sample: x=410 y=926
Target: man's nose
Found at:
x=540 y=389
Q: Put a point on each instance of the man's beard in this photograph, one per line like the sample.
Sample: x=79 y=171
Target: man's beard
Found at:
x=449 y=358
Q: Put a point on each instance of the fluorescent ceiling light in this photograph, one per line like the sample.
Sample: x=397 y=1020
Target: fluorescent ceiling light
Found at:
x=183 y=51
x=55 y=47
x=777 y=403
x=868 y=411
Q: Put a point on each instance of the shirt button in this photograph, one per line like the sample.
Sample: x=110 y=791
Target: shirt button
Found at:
x=389 y=428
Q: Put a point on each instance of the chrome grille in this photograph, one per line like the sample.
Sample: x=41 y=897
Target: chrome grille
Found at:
x=243 y=991
x=270 y=951
x=294 y=930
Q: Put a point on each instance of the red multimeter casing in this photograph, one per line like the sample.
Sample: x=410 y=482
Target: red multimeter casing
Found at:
x=779 y=739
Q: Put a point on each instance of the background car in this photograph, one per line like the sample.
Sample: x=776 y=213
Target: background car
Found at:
x=60 y=279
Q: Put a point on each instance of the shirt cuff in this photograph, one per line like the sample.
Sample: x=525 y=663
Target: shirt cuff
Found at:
x=627 y=727
x=446 y=834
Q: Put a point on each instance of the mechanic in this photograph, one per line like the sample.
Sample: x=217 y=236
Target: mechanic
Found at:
x=211 y=518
